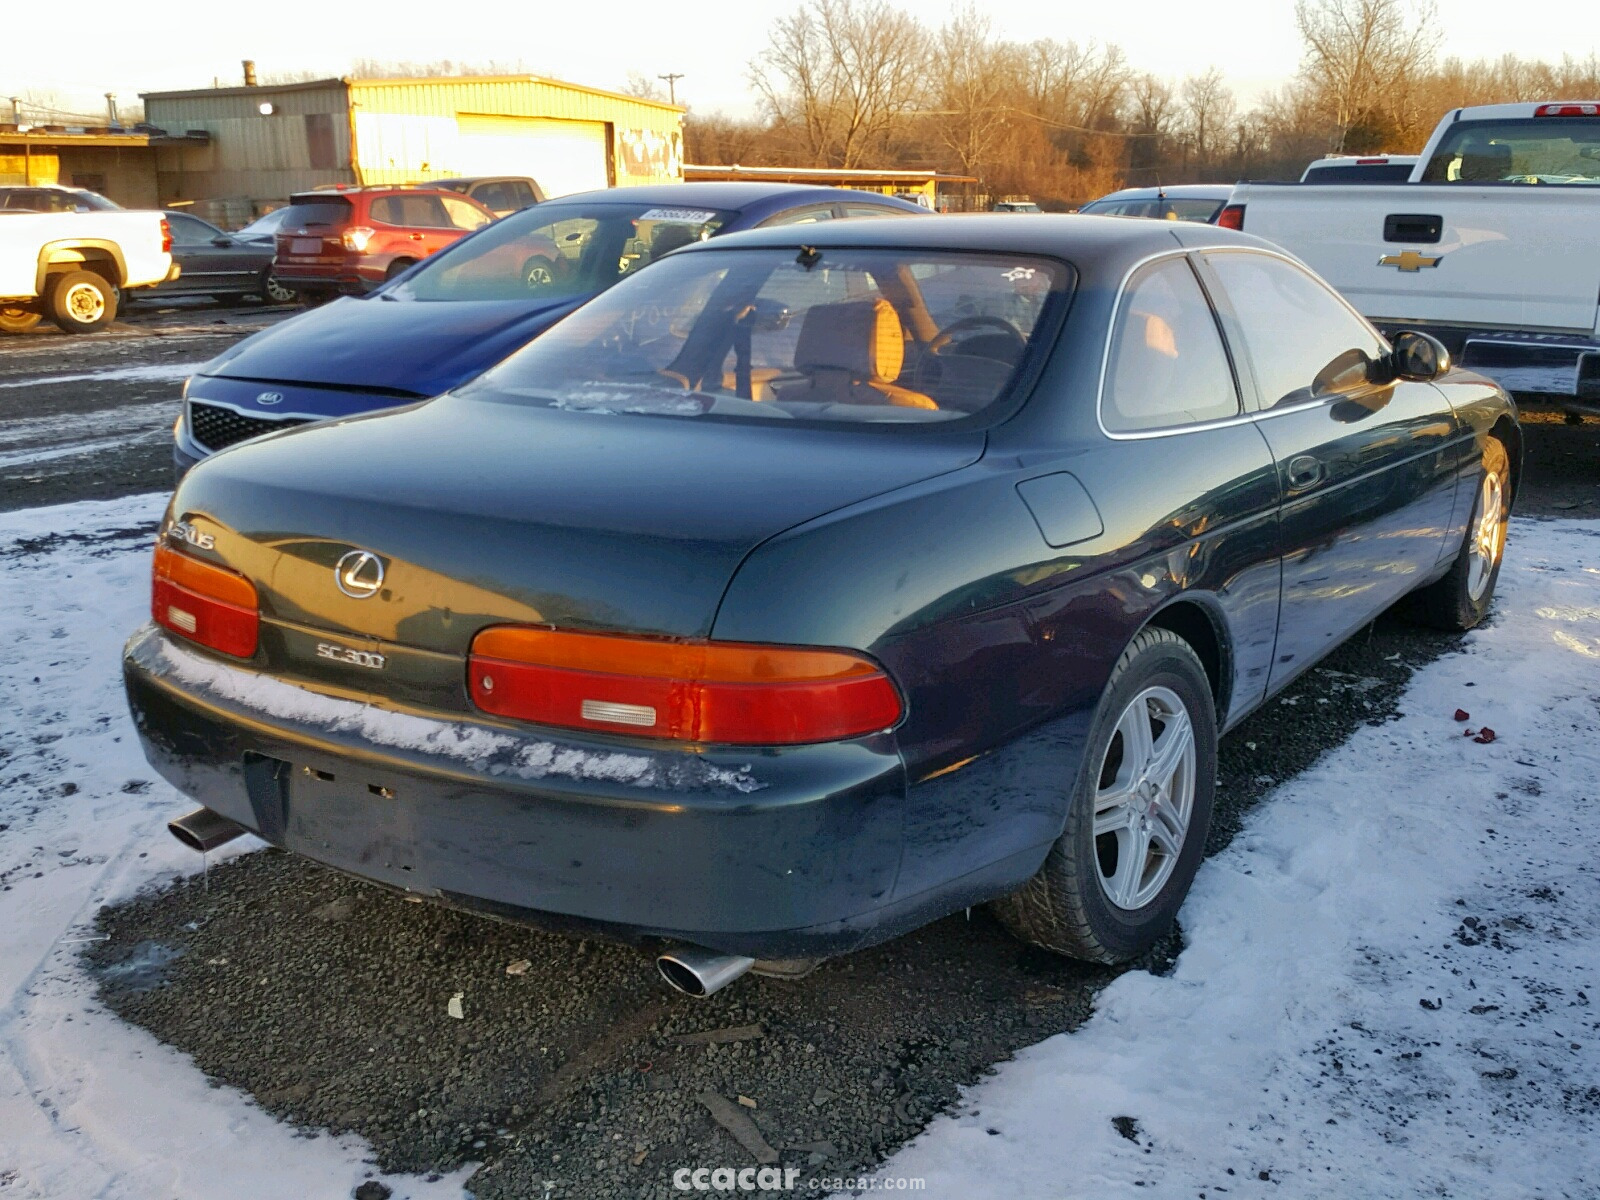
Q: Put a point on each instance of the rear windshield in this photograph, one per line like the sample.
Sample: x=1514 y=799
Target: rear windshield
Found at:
x=316 y=214
x=842 y=336
x=1359 y=173
x=555 y=251
x=1532 y=150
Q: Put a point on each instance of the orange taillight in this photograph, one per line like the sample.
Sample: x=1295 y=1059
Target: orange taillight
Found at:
x=721 y=692
x=204 y=603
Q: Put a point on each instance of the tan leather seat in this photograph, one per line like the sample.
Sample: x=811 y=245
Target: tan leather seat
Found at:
x=851 y=353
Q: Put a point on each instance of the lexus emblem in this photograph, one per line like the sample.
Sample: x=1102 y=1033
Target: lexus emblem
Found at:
x=269 y=398
x=359 y=574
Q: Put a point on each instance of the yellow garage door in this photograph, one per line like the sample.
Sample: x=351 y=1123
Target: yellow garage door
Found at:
x=564 y=156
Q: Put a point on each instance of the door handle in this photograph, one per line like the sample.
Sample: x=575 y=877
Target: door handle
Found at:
x=416 y=237
x=1304 y=471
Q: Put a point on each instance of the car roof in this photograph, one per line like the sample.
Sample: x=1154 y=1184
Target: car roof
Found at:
x=473 y=179
x=1179 y=191
x=1088 y=242
x=373 y=189
x=731 y=195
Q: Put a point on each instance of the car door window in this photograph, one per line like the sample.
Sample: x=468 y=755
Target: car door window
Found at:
x=463 y=215
x=1167 y=366
x=1293 y=324
x=873 y=210
x=494 y=196
x=802 y=216
x=191 y=231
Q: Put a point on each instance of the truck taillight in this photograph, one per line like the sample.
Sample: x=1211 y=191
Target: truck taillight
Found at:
x=204 y=603
x=1231 y=217
x=356 y=238
x=733 y=693
x=166 y=237
x=1586 y=108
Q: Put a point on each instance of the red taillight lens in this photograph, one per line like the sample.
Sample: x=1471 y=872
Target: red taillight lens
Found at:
x=724 y=692
x=1231 y=217
x=207 y=604
x=166 y=237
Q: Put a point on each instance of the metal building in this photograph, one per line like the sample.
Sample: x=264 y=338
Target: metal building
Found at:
x=268 y=141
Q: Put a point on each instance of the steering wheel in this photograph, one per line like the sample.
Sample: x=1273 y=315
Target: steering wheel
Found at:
x=965 y=325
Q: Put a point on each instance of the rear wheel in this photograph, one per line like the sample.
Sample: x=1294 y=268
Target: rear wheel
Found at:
x=14 y=318
x=1136 y=826
x=82 y=302
x=274 y=292
x=398 y=265
x=1462 y=597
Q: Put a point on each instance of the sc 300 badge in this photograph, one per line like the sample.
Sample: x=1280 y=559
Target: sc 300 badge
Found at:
x=355 y=658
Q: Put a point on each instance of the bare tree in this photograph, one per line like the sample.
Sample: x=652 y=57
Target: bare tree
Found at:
x=840 y=74
x=641 y=85
x=1208 y=113
x=972 y=83
x=1364 y=57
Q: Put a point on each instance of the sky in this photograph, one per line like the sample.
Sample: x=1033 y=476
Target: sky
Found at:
x=1253 y=42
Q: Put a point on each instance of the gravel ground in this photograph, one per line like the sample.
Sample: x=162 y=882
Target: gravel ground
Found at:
x=90 y=417
x=580 y=1075
x=326 y=999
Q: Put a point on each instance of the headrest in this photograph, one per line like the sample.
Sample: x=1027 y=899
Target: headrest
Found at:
x=862 y=337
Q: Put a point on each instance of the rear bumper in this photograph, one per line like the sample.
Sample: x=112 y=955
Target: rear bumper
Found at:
x=772 y=853
x=1552 y=364
x=346 y=277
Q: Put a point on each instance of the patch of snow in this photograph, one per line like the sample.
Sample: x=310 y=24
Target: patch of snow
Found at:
x=88 y=1105
x=631 y=398
x=150 y=373
x=1391 y=979
x=61 y=435
x=475 y=746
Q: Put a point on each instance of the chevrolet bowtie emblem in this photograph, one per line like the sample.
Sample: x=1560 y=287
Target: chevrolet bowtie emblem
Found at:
x=1409 y=261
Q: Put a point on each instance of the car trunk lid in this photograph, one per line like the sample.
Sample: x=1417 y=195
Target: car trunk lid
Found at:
x=476 y=512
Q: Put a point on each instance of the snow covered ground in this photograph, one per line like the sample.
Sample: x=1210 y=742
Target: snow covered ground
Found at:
x=1391 y=985
x=90 y=1106
x=1391 y=980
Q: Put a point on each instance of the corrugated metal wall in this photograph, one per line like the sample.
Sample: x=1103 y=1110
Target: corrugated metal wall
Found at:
x=408 y=129
x=253 y=160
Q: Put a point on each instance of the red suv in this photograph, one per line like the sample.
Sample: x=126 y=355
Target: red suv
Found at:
x=352 y=239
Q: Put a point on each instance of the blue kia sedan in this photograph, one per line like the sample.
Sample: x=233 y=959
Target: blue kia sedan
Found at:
x=465 y=308
x=812 y=584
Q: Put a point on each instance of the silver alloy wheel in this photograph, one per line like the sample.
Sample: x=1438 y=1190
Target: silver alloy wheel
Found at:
x=277 y=293
x=1488 y=538
x=539 y=275
x=1145 y=798
x=85 y=303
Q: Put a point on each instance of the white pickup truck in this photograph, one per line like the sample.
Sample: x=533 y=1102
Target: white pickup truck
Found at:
x=73 y=266
x=1492 y=245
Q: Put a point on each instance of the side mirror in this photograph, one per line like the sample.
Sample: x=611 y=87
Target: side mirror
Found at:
x=1348 y=372
x=1418 y=357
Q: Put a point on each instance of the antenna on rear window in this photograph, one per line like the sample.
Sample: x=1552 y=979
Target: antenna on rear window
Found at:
x=808 y=257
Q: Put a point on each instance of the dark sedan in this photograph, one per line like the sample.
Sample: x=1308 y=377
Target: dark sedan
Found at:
x=815 y=583
x=468 y=306
x=225 y=266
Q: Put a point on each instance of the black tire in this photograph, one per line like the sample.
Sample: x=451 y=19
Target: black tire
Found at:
x=398 y=265
x=314 y=299
x=1066 y=907
x=1461 y=598
x=81 y=301
x=15 y=318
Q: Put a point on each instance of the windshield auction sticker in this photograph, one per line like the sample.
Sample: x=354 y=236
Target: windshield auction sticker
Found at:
x=685 y=216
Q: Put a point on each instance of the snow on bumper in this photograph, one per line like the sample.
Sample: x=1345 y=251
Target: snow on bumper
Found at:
x=773 y=853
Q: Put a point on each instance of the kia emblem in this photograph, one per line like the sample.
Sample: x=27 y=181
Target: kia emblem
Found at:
x=269 y=398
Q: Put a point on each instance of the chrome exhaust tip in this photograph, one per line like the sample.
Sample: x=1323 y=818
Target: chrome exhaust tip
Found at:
x=700 y=973
x=204 y=830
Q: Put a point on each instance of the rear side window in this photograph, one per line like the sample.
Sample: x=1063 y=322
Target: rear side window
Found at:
x=1293 y=324
x=802 y=216
x=1167 y=366
x=873 y=210
x=1191 y=210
